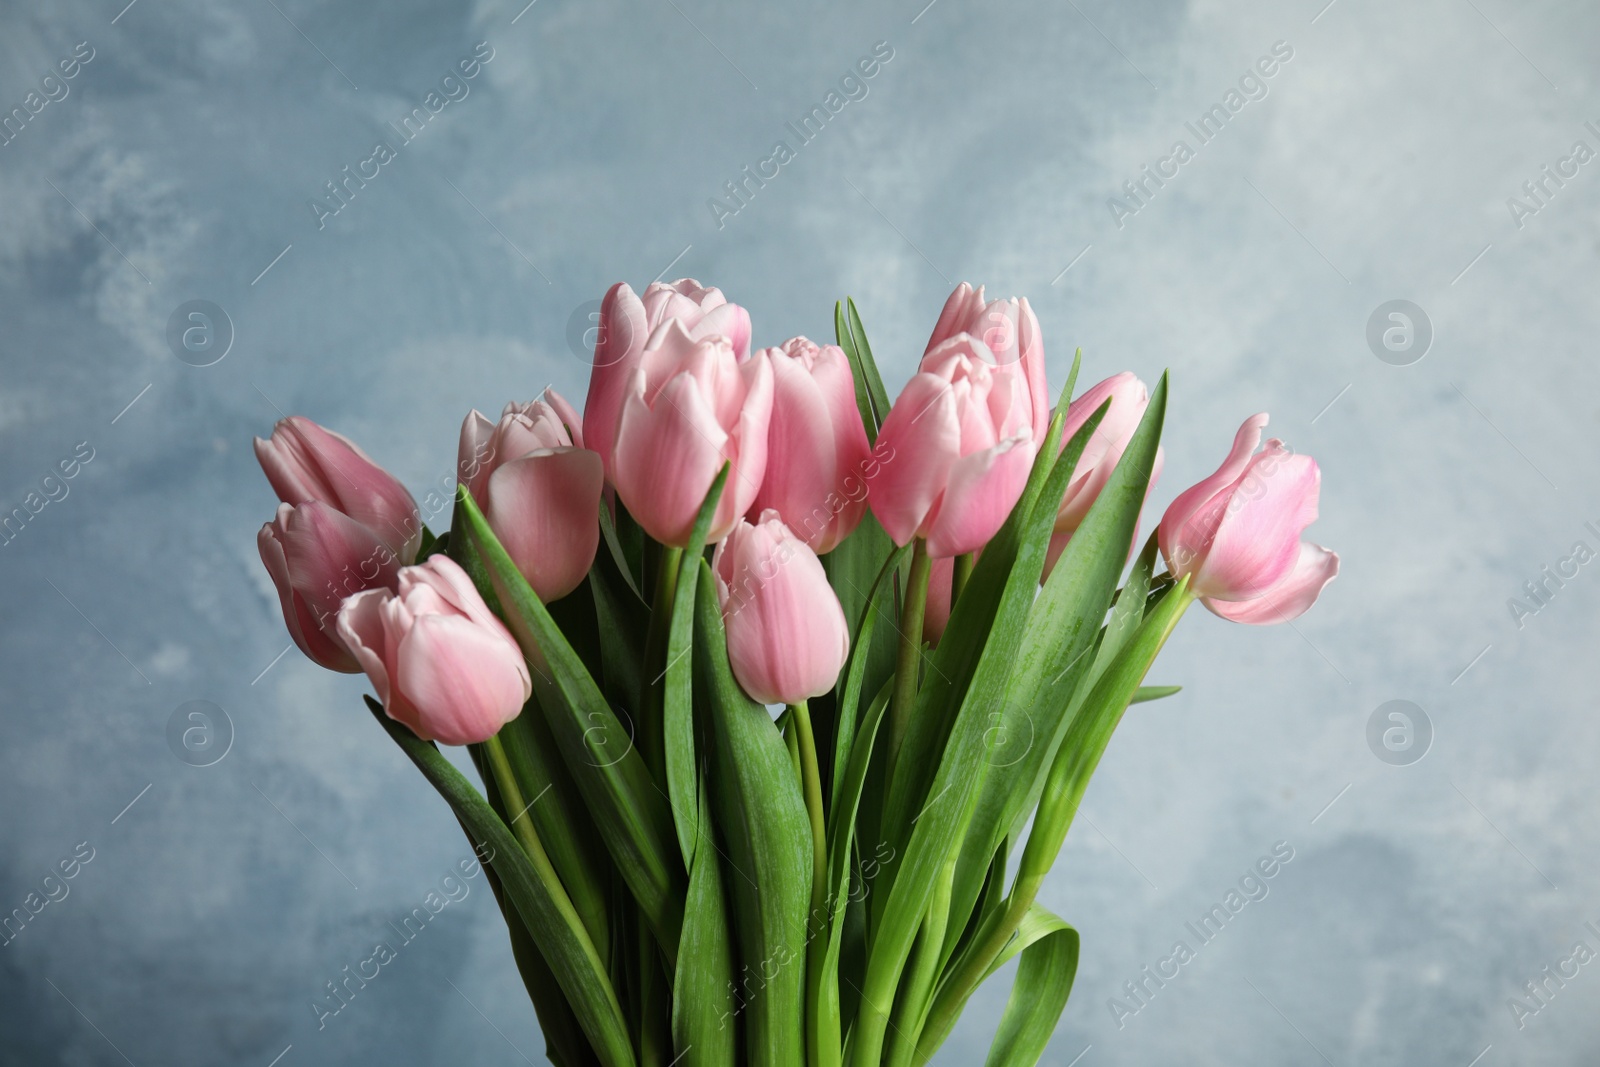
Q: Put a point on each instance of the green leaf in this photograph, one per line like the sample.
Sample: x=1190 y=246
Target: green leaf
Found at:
x=559 y=818
x=1049 y=949
x=1055 y=652
x=704 y=1026
x=986 y=625
x=533 y=886
x=677 y=711
x=627 y=808
x=1154 y=692
x=616 y=555
x=869 y=606
x=766 y=832
x=869 y=366
x=1128 y=612
x=871 y=397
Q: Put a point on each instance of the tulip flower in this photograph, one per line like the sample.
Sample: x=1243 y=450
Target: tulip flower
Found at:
x=1237 y=533
x=787 y=637
x=816 y=445
x=539 y=489
x=955 y=450
x=1010 y=331
x=691 y=406
x=306 y=462
x=317 y=558
x=1101 y=453
x=441 y=663
x=627 y=324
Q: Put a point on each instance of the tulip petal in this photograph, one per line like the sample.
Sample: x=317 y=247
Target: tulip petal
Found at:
x=362 y=630
x=567 y=414
x=463 y=680
x=1191 y=520
x=545 y=509
x=982 y=490
x=616 y=352
x=474 y=458
x=666 y=457
x=1293 y=594
x=321 y=646
x=1257 y=540
x=917 y=445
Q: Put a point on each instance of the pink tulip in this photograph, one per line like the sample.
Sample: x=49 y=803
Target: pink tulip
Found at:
x=1104 y=449
x=1237 y=533
x=305 y=462
x=816 y=445
x=954 y=452
x=441 y=662
x=538 y=489
x=318 y=557
x=787 y=638
x=691 y=405
x=1009 y=329
x=627 y=324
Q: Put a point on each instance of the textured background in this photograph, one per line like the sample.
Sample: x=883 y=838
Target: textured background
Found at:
x=1378 y=167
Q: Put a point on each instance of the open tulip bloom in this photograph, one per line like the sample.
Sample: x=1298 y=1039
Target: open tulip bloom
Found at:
x=782 y=697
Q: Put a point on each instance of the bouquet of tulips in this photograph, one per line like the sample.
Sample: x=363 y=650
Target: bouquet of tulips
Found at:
x=782 y=696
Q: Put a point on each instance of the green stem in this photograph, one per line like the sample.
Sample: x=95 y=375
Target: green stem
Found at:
x=913 y=1002
x=822 y=1035
x=652 y=734
x=909 y=661
x=506 y=782
x=960 y=571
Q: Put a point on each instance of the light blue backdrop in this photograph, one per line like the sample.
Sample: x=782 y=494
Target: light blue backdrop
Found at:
x=1374 y=164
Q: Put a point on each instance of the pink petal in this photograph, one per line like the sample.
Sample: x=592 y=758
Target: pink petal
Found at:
x=918 y=444
x=982 y=490
x=1258 y=537
x=667 y=456
x=362 y=630
x=616 y=353
x=1191 y=520
x=545 y=509
x=1294 y=593
x=462 y=681
x=474 y=458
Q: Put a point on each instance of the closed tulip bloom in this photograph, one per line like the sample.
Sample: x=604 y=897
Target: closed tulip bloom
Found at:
x=539 y=489
x=1101 y=453
x=440 y=661
x=816 y=445
x=626 y=325
x=691 y=406
x=317 y=558
x=1237 y=533
x=1009 y=329
x=954 y=452
x=306 y=462
x=787 y=637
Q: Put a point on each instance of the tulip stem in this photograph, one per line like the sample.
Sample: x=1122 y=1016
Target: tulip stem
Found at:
x=652 y=739
x=816 y=945
x=909 y=663
x=960 y=571
x=511 y=795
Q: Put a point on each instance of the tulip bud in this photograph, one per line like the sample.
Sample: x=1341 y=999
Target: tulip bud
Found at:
x=305 y=462
x=1009 y=329
x=1101 y=453
x=691 y=406
x=318 y=557
x=440 y=661
x=627 y=323
x=1237 y=533
x=816 y=445
x=540 y=493
x=787 y=637
x=955 y=450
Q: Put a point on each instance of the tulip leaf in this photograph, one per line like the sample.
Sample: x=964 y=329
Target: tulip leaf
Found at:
x=1128 y=611
x=704 y=1028
x=626 y=806
x=1154 y=692
x=1055 y=652
x=878 y=600
x=677 y=709
x=559 y=819
x=871 y=397
x=766 y=833
x=613 y=543
x=1049 y=950
x=969 y=673
x=622 y=635
x=533 y=886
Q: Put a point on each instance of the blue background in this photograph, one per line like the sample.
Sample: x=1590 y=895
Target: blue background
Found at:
x=183 y=161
